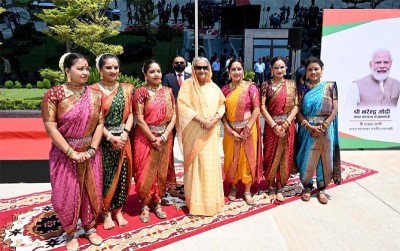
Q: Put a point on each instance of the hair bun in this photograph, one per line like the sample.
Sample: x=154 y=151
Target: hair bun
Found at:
x=61 y=62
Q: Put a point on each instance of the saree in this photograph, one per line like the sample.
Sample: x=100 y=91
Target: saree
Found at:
x=151 y=166
x=76 y=187
x=321 y=155
x=242 y=159
x=202 y=164
x=117 y=164
x=279 y=153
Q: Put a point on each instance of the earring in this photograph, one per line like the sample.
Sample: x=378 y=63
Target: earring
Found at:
x=272 y=75
x=101 y=76
x=68 y=78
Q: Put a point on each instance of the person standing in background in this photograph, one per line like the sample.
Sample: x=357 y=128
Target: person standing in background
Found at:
x=259 y=68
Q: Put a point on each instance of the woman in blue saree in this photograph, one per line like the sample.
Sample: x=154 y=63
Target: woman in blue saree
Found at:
x=318 y=142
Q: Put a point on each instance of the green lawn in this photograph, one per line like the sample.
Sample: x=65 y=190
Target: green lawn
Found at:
x=25 y=94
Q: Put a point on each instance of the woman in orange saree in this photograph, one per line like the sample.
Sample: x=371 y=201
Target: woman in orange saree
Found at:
x=117 y=151
x=73 y=119
x=242 y=137
x=200 y=106
x=279 y=107
x=154 y=110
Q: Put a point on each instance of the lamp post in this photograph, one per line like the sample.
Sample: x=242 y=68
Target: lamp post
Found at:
x=196 y=28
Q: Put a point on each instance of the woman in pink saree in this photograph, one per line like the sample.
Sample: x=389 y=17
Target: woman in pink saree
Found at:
x=279 y=107
x=154 y=110
x=242 y=137
x=73 y=119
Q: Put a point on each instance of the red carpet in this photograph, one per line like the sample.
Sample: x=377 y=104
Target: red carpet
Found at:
x=23 y=139
x=28 y=222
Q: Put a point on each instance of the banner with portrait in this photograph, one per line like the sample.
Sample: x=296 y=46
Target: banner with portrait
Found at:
x=361 y=52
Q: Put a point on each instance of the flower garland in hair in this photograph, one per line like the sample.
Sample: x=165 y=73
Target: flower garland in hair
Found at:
x=98 y=61
x=61 y=62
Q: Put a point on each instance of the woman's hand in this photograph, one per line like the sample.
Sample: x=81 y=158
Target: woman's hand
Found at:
x=236 y=136
x=79 y=156
x=117 y=142
x=208 y=124
x=245 y=133
x=157 y=144
x=279 y=131
x=315 y=131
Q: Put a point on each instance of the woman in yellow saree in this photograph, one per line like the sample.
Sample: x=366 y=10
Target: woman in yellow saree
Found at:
x=242 y=138
x=200 y=106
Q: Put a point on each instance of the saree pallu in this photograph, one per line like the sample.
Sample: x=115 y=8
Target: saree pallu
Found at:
x=117 y=164
x=279 y=153
x=76 y=188
x=242 y=159
x=151 y=165
x=202 y=165
x=321 y=155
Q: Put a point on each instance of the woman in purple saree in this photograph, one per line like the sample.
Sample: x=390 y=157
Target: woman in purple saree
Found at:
x=73 y=119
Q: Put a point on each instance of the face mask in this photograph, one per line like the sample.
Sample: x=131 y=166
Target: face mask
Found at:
x=179 y=67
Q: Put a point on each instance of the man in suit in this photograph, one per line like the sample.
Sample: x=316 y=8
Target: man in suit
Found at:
x=176 y=78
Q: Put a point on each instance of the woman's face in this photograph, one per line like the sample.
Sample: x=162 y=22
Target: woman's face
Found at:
x=110 y=70
x=314 y=72
x=153 y=74
x=201 y=71
x=236 y=72
x=79 y=72
x=278 y=69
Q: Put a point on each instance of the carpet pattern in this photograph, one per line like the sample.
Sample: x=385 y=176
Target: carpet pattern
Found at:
x=29 y=223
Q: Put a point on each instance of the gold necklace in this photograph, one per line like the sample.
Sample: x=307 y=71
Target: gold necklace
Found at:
x=109 y=87
x=76 y=91
x=276 y=87
x=311 y=85
x=233 y=86
x=152 y=88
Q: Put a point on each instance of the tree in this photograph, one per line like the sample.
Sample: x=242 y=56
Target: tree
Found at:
x=82 y=23
x=373 y=3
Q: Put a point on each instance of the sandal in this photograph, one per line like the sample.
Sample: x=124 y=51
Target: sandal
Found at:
x=248 y=201
x=232 y=194
x=337 y=181
x=143 y=217
x=160 y=213
x=271 y=193
x=322 y=197
x=93 y=237
x=72 y=242
x=306 y=194
x=280 y=197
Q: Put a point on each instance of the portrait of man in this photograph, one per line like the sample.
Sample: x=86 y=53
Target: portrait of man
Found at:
x=377 y=88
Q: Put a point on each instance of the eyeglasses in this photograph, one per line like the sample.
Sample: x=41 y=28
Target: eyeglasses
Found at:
x=179 y=62
x=198 y=67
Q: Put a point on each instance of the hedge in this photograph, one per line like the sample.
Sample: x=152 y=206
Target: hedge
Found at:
x=19 y=104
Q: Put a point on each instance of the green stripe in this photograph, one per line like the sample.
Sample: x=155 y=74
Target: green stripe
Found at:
x=352 y=143
x=327 y=30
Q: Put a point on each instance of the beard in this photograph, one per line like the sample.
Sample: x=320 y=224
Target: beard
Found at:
x=380 y=76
